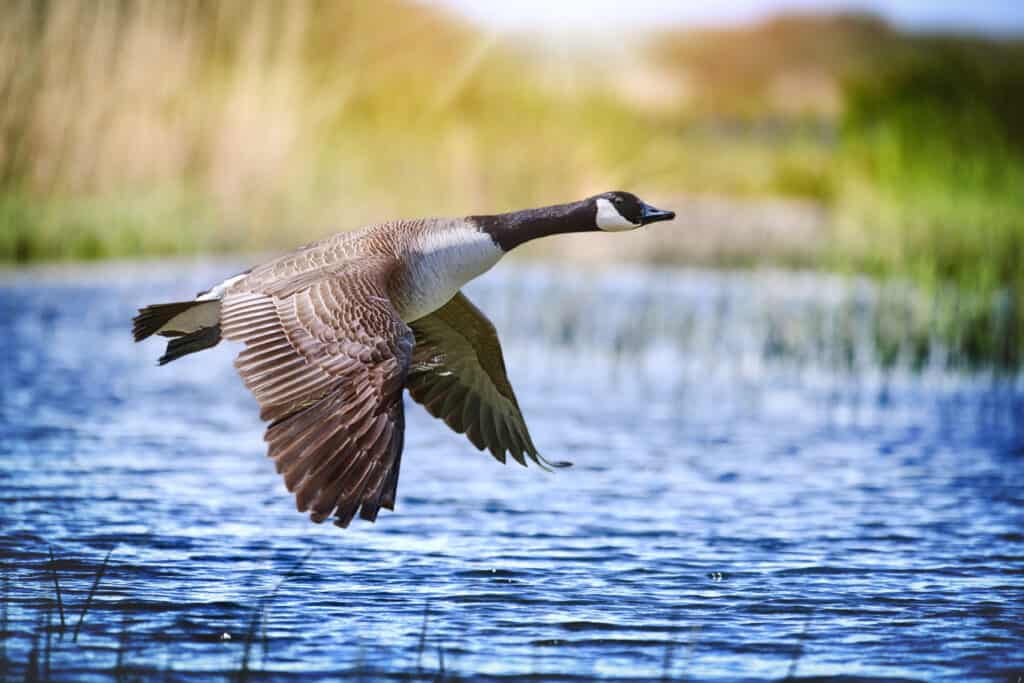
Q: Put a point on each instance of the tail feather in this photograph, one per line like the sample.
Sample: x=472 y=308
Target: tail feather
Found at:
x=204 y=338
x=151 y=318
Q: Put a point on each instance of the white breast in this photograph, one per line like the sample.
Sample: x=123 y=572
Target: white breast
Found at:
x=440 y=261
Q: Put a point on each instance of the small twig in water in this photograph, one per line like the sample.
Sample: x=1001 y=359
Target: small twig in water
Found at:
x=122 y=645
x=289 y=574
x=259 y=618
x=32 y=667
x=243 y=667
x=670 y=651
x=3 y=618
x=692 y=645
x=666 y=662
x=92 y=594
x=423 y=638
x=360 y=660
x=49 y=642
x=56 y=588
x=440 y=664
x=265 y=640
x=799 y=652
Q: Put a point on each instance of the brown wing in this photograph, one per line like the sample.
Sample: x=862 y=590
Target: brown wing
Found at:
x=458 y=374
x=326 y=356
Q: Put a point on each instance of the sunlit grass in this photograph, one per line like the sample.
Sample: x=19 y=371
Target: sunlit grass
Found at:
x=146 y=128
x=932 y=173
x=152 y=128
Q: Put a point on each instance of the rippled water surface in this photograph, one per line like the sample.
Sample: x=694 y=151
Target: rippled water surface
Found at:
x=755 y=495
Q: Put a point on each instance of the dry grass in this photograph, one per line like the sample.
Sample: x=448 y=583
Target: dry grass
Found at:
x=262 y=119
x=152 y=128
x=143 y=127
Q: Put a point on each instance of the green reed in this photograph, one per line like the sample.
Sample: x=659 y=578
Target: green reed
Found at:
x=148 y=129
x=932 y=174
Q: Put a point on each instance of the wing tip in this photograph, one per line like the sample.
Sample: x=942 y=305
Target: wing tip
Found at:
x=558 y=464
x=544 y=463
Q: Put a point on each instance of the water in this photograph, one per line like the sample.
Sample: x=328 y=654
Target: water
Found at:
x=761 y=489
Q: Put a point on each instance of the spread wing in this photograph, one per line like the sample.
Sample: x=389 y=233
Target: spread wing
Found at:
x=458 y=374
x=326 y=357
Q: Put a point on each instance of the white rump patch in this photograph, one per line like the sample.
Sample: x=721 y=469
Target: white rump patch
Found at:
x=609 y=218
x=216 y=293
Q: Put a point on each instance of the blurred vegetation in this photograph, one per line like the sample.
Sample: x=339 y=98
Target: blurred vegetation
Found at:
x=932 y=161
x=149 y=128
x=235 y=124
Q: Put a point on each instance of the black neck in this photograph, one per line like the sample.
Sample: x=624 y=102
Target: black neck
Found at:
x=509 y=230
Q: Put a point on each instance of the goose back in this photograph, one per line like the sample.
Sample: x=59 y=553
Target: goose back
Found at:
x=433 y=259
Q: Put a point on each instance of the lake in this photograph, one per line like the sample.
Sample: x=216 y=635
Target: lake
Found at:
x=771 y=480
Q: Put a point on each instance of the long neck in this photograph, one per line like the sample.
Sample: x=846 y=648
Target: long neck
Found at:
x=510 y=230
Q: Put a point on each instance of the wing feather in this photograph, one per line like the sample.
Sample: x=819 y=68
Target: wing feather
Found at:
x=326 y=357
x=458 y=375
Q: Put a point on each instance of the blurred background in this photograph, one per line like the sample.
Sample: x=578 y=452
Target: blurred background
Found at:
x=782 y=135
x=884 y=137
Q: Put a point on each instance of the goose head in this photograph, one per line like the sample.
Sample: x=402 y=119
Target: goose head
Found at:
x=614 y=211
x=617 y=211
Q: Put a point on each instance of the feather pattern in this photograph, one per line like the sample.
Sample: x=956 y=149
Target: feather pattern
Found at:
x=326 y=357
x=458 y=375
x=329 y=349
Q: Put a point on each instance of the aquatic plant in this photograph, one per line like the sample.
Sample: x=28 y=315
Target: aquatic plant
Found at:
x=92 y=594
x=908 y=146
x=933 y=171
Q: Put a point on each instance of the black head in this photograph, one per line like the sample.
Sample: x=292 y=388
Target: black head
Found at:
x=611 y=211
x=618 y=210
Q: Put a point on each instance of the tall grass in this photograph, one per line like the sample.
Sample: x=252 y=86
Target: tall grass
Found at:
x=932 y=166
x=151 y=127
x=925 y=180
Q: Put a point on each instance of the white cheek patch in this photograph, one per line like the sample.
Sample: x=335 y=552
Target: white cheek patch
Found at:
x=610 y=220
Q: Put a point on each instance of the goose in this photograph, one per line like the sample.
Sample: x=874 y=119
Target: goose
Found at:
x=337 y=329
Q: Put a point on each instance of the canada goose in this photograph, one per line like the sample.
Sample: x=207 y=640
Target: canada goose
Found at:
x=335 y=330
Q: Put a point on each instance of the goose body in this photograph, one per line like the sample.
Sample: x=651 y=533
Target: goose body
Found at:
x=336 y=330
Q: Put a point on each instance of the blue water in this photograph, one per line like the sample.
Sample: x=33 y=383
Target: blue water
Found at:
x=755 y=495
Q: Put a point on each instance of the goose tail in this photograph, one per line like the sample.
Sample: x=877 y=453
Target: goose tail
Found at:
x=203 y=338
x=192 y=326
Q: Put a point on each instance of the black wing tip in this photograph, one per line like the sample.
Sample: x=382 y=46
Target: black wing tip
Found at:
x=141 y=329
x=369 y=513
x=531 y=454
x=550 y=465
x=204 y=338
x=151 y=318
x=317 y=518
x=344 y=519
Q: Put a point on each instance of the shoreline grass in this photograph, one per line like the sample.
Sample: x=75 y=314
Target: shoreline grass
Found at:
x=933 y=164
x=91 y=594
x=151 y=129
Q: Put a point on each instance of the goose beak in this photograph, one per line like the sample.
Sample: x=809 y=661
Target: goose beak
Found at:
x=649 y=214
